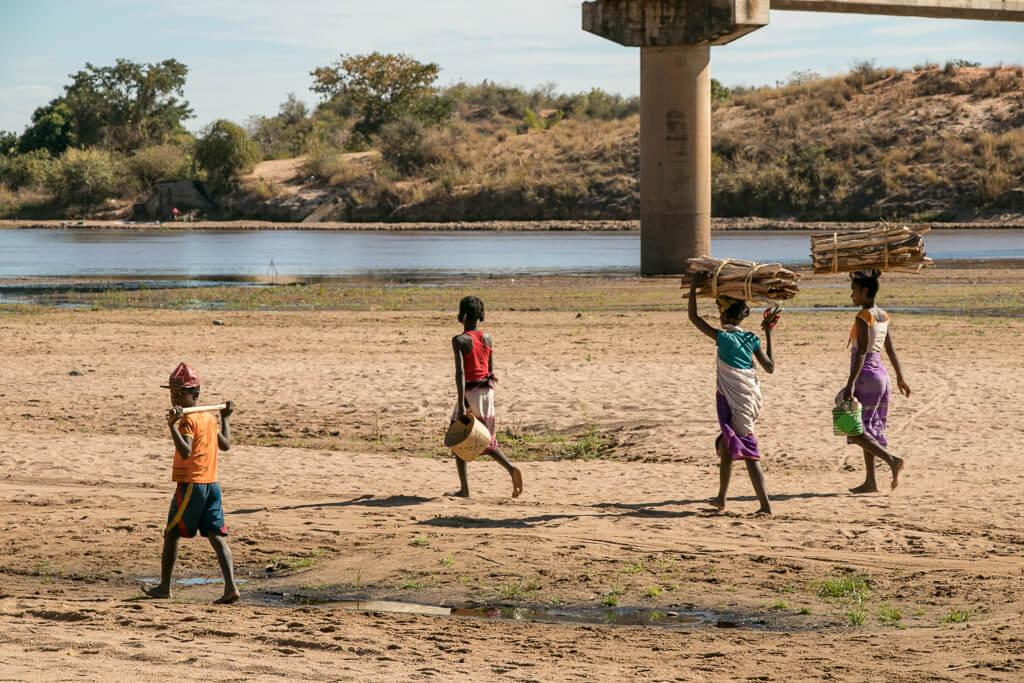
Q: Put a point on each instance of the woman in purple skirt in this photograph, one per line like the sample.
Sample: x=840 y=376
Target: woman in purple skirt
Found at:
x=869 y=382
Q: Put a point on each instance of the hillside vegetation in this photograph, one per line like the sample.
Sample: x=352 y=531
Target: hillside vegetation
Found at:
x=932 y=143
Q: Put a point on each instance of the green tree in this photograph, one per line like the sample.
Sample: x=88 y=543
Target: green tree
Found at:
x=52 y=129
x=125 y=107
x=719 y=92
x=225 y=152
x=8 y=143
x=159 y=162
x=380 y=87
x=84 y=177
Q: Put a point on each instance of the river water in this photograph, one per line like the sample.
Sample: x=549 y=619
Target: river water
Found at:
x=244 y=254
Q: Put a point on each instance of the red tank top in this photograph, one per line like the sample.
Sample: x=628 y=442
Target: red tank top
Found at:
x=477 y=363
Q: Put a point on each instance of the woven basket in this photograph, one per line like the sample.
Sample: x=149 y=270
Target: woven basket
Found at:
x=468 y=439
x=846 y=419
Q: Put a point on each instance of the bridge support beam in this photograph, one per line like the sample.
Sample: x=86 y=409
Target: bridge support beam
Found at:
x=675 y=157
x=674 y=37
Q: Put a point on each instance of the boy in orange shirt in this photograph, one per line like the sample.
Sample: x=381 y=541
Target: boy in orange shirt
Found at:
x=196 y=504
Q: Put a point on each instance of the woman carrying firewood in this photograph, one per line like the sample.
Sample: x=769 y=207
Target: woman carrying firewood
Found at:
x=869 y=381
x=738 y=395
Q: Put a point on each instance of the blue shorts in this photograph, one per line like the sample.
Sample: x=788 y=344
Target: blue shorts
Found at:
x=196 y=507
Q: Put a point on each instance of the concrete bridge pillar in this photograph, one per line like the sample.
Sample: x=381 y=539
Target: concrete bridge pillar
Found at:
x=675 y=156
x=674 y=37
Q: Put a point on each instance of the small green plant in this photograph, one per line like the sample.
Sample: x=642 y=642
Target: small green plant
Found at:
x=856 y=616
x=958 y=616
x=853 y=586
x=805 y=610
x=359 y=577
x=612 y=599
x=421 y=542
x=653 y=591
x=447 y=561
x=779 y=604
x=511 y=591
x=590 y=444
x=889 y=615
x=634 y=568
x=410 y=584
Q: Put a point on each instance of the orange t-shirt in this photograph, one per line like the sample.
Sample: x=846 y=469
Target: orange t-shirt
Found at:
x=201 y=466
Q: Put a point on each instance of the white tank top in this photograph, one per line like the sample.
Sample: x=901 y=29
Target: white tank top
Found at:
x=878 y=328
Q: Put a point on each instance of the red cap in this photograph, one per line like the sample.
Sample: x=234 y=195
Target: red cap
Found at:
x=183 y=376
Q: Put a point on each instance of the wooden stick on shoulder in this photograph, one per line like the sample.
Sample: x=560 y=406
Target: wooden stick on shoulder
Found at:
x=204 y=409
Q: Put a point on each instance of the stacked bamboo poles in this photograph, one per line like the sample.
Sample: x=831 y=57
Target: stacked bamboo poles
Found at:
x=767 y=282
x=888 y=248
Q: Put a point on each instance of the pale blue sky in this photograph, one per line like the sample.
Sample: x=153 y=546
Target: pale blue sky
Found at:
x=245 y=56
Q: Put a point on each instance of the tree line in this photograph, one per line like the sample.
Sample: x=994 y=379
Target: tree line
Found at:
x=118 y=130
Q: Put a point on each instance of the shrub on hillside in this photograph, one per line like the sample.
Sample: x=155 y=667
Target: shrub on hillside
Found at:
x=26 y=170
x=329 y=164
x=225 y=152
x=85 y=177
x=160 y=162
x=405 y=145
x=864 y=73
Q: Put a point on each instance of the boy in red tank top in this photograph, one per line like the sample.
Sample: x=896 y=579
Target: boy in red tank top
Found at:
x=474 y=382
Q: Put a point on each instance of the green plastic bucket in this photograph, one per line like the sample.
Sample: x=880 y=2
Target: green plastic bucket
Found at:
x=846 y=419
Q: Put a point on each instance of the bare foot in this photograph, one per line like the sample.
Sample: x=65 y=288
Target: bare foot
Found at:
x=158 y=592
x=865 y=488
x=461 y=493
x=717 y=503
x=517 y=482
x=897 y=469
x=764 y=512
x=228 y=598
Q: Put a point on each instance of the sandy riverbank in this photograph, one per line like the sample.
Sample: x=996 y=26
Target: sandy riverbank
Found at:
x=337 y=482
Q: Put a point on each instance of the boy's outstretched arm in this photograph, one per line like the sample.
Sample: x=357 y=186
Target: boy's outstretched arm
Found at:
x=890 y=350
x=695 y=318
x=224 y=435
x=460 y=379
x=182 y=444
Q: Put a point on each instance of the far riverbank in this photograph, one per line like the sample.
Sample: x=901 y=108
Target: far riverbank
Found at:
x=717 y=224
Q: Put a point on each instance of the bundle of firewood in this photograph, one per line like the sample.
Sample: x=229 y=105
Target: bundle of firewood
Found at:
x=889 y=248
x=741 y=279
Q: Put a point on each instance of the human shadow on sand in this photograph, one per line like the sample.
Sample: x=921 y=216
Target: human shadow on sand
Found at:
x=643 y=507
x=364 y=501
x=621 y=510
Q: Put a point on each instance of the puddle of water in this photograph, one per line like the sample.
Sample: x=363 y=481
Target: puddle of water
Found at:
x=616 y=616
x=195 y=581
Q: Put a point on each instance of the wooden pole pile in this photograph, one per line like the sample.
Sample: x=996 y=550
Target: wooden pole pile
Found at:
x=889 y=248
x=745 y=280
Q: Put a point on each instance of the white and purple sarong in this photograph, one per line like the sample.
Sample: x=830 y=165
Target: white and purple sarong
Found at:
x=872 y=391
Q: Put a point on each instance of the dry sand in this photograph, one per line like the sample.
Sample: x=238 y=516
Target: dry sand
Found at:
x=329 y=484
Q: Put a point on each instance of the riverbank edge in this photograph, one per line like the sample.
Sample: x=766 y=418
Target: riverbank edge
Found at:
x=717 y=225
